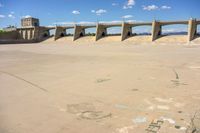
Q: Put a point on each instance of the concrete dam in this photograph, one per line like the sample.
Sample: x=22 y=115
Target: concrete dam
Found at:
x=38 y=33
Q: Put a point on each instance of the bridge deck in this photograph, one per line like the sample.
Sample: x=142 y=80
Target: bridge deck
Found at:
x=173 y=22
x=133 y=24
x=111 y=24
x=67 y=27
x=87 y=26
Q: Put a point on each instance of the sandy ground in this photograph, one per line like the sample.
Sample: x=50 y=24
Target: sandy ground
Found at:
x=56 y=87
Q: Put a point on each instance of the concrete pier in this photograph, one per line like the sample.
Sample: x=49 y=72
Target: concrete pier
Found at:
x=127 y=28
x=78 y=32
x=59 y=32
x=192 y=29
x=156 y=30
x=100 y=31
x=126 y=31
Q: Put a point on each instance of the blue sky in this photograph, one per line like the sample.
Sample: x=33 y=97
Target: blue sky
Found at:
x=67 y=11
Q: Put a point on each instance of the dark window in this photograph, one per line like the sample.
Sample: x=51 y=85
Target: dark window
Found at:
x=35 y=24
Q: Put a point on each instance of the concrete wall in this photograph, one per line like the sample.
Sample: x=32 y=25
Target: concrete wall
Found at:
x=11 y=35
x=41 y=33
x=26 y=34
x=33 y=33
x=156 y=30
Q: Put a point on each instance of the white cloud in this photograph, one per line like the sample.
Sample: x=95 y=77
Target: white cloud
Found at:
x=87 y=23
x=165 y=7
x=73 y=23
x=99 y=12
x=63 y=23
x=27 y=16
x=154 y=7
x=1 y=5
x=129 y=4
x=115 y=4
x=134 y=21
x=2 y=16
x=109 y=22
x=174 y=30
x=11 y=15
x=150 y=7
x=127 y=16
x=76 y=12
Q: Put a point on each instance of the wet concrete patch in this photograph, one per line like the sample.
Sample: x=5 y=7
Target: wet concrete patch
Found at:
x=134 y=89
x=77 y=108
x=125 y=129
x=102 y=80
x=140 y=119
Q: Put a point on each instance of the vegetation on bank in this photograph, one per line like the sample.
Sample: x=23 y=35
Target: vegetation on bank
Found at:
x=2 y=31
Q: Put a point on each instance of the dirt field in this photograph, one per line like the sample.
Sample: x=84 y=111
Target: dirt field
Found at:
x=62 y=87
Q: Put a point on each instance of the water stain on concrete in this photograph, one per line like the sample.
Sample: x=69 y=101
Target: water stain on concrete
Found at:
x=94 y=115
x=87 y=111
x=121 y=106
x=170 y=120
x=78 y=108
x=163 y=107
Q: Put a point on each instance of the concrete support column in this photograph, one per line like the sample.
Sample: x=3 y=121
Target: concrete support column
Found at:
x=31 y=34
x=192 y=29
x=23 y=34
x=59 y=31
x=156 y=30
x=100 y=31
x=28 y=34
x=126 y=31
x=78 y=31
x=36 y=33
x=20 y=34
